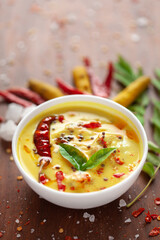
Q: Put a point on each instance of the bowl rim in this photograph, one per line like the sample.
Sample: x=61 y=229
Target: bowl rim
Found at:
x=85 y=98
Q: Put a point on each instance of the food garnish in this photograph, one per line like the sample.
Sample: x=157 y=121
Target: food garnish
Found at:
x=79 y=160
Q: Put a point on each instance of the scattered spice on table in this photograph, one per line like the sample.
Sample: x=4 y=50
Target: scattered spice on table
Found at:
x=61 y=230
x=19 y=178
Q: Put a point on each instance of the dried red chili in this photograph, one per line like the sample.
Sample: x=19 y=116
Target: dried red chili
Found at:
x=157 y=201
x=109 y=78
x=92 y=125
x=119 y=161
x=99 y=88
x=67 y=88
x=87 y=61
x=137 y=212
x=102 y=142
x=118 y=175
x=154 y=232
x=13 y=98
x=1 y=234
x=1 y=119
x=148 y=217
x=154 y=216
x=27 y=94
x=41 y=137
x=60 y=178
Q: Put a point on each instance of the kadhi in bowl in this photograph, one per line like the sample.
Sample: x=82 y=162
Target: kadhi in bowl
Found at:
x=80 y=151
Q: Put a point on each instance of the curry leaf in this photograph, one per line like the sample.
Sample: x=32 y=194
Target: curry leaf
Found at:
x=143 y=99
x=148 y=168
x=153 y=158
x=156 y=84
x=156 y=118
x=98 y=158
x=156 y=135
x=125 y=65
x=137 y=109
x=73 y=155
x=79 y=160
x=153 y=147
x=157 y=72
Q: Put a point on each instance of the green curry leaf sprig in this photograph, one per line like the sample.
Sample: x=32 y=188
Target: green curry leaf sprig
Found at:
x=78 y=158
x=153 y=159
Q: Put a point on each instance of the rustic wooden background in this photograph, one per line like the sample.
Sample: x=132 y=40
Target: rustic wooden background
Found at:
x=46 y=39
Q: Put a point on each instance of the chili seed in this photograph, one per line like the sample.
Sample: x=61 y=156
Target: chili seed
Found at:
x=61 y=230
x=19 y=178
x=19 y=229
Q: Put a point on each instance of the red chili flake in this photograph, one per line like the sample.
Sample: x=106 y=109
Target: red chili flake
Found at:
x=154 y=216
x=157 y=201
x=118 y=160
x=18 y=190
x=118 y=175
x=61 y=118
x=100 y=171
x=104 y=143
x=28 y=222
x=72 y=188
x=69 y=238
x=1 y=234
x=154 y=232
x=92 y=125
x=7 y=207
x=148 y=217
x=137 y=212
x=43 y=179
x=60 y=177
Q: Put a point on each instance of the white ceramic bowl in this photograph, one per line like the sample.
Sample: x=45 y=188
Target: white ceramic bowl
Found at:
x=81 y=200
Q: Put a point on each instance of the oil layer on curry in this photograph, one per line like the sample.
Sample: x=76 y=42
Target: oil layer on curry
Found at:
x=89 y=129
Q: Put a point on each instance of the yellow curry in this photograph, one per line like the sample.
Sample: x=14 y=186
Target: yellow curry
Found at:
x=87 y=128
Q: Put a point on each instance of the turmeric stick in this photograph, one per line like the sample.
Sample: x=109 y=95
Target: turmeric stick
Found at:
x=81 y=79
x=46 y=90
x=131 y=92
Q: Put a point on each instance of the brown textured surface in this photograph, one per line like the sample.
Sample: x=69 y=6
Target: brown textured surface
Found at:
x=31 y=46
